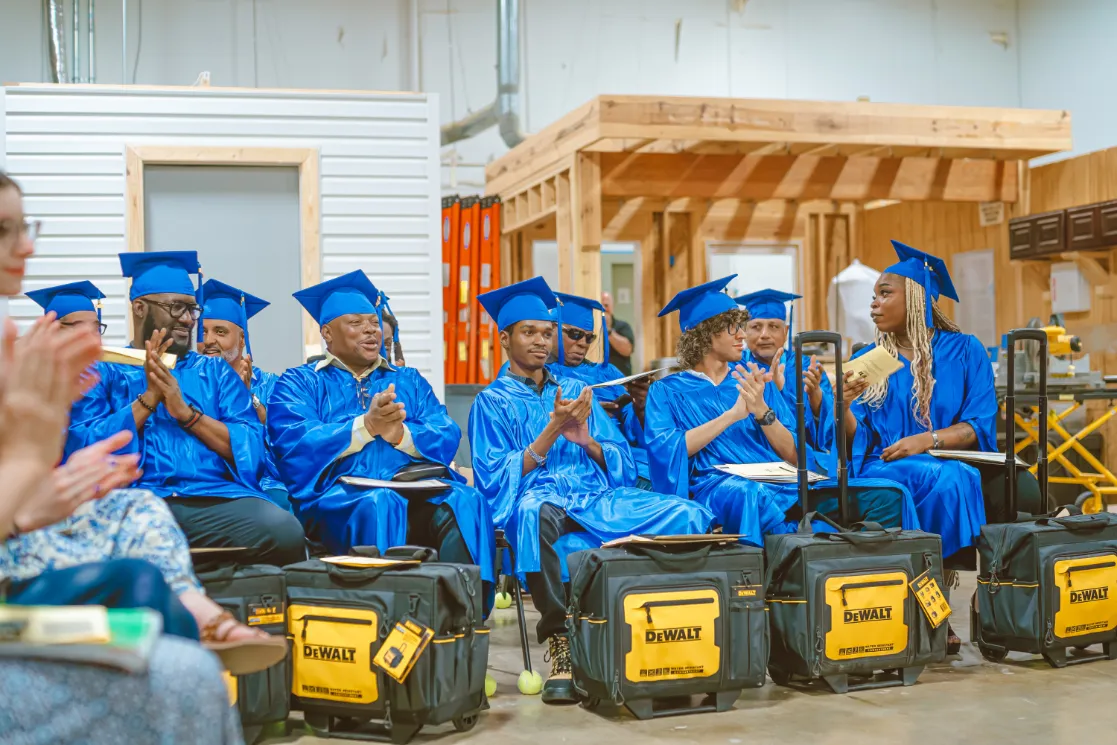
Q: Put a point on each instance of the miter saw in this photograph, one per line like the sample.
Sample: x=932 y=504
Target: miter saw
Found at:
x=1065 y=369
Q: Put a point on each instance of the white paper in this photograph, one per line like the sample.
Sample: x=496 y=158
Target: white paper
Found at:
x=777 y=472
x=975 y=456
x=876 y=364
x=397 y=485
x=629 y=379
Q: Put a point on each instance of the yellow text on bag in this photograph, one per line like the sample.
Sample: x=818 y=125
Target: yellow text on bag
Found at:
x=1087 y=595
x=333 y=651
x=673 y=635
x=866 y=615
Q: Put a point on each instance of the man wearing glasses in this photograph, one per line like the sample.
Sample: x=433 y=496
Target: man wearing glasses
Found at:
x=201 y=441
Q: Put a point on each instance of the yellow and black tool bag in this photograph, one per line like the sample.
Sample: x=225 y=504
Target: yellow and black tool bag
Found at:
x=1045 y=583
x=339 y=616
x=256 y=595
x=668 y=618
x=846 y=604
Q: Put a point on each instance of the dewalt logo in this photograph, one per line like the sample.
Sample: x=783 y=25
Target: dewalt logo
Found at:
x=329 y=654
x=667 y=636
x=1089 y=595
x=864 y=615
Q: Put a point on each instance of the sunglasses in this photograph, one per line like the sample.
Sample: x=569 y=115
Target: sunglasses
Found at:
x=577 y=334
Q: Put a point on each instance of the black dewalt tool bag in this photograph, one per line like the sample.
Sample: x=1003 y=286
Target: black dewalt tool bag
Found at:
x=849 y=604
x=673 y=617
x=256 y=595
x=1044 y=583
x=339 y=616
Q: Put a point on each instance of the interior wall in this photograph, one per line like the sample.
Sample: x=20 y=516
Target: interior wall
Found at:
x=914 y=51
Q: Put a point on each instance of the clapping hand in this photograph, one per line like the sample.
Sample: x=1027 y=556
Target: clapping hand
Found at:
x=576 y=428
x=243 y=366
x=812 y=383
x=161 y=382
x=750 y=391
x=386 y=416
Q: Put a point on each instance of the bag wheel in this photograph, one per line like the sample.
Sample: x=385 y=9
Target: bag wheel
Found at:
x=466 y=722
x=590 y=703
x=992 y=654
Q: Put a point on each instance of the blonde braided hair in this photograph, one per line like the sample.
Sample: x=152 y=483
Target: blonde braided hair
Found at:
x=920 y=337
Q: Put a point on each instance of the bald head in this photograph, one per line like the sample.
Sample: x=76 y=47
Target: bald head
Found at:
x=607 y=301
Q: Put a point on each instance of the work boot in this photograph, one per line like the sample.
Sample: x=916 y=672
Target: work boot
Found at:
x=559 y=688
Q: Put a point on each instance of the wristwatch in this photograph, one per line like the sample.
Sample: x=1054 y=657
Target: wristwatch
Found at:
x=936 y=443
x=256 y=402
x=768 y=419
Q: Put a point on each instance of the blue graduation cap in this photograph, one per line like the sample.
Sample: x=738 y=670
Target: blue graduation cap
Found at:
x=771 y=304
x=928 y=271
x=697 y=304
x=157 y=272
x=349 y=293
x=578 y=311
x=530 y=300
x=69 y=298
x=227 y=303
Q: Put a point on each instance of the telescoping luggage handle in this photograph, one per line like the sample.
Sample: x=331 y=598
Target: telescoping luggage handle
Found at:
x=835 y=339
x=1040 y=336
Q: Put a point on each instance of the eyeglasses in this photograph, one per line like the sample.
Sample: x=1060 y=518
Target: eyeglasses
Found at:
x=29 y=228
x=577 y=334
x=178 y=309
x=733 y=329
x=101 y=327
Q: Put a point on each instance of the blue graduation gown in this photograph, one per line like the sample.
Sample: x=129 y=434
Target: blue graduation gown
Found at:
x=263 y=383
x=175 y=462
x=310 y=418
x=947 y=493
x=506 y=418
x=626 y=421
x=681 y=402
x=820 y=429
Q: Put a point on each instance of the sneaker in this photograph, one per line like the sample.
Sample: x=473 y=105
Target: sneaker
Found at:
x=559 y=688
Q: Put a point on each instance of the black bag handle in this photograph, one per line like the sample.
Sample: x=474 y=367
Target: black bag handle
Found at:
x=821 y=337
x=1040 y=336
x=865 y=538
x=672 y=561
x=1083 y=524
x=867 y=525
x=223 y=573
x=810 y=517
x=412 y=553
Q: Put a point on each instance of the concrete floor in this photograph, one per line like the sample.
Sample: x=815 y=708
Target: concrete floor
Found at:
x=964 y=700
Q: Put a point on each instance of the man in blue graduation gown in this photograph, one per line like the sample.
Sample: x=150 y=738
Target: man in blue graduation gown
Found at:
x=550 y=463
x=624 y=404
x=201 y=442
x=709 y=415
x=225 y=334
x=354 y=414
x=768 y=345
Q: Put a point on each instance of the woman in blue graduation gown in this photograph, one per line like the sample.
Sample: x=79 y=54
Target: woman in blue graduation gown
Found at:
x=942 y=397
x=713 y=413
x=316 y=422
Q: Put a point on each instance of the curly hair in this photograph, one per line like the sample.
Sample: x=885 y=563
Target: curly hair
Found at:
x=920 y=337
x=695 y=344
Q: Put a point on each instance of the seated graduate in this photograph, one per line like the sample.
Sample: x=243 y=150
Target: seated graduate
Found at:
x=942 y=398
x=571 y=348
x=550 y=463
x=768 y=345
x=354 y=414
x=201 y=442
x=225 y=325
x=709 y=415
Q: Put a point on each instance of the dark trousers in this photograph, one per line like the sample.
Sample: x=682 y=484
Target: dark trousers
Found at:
x=434 y=526
x=548 y=593
x=117 y=583
x=269 y=534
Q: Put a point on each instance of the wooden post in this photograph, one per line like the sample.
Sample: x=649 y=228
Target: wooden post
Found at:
x=676 y=252
x=564 y=232
x=650 y=285
x=586 y=231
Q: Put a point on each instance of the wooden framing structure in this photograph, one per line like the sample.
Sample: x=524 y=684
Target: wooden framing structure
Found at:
x=674 y=173
x=305 y=159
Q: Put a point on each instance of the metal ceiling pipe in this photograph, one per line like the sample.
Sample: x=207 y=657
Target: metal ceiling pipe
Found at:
x=57 y=43
x=75 y=53
x=504 y=112
x=91 y=70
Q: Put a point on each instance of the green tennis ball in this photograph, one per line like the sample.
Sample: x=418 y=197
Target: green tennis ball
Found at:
x=490 y=686
x=503 y=600
x=530 y=683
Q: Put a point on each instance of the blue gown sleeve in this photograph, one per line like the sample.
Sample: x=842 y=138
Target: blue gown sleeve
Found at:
x=979 y=403
x=498 y=459
x=435 y=434
x=631 y=427
x=305 y=446
x=620 y=466
x=103 y=411
x=668 y=463
x=246 y=434
x=820 y=433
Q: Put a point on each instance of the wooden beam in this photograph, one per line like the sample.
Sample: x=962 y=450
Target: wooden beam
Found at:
x=806 y=177
x=651 y=288
x=564 y=232
x=678 y=246
x=586 y=233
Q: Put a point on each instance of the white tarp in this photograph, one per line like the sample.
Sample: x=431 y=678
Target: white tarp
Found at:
x=848 y=301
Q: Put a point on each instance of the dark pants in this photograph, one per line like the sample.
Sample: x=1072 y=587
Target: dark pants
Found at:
x=548 y=593
x=876 y=505
x=117 y=583
x=270 y=535
x=435 y=526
